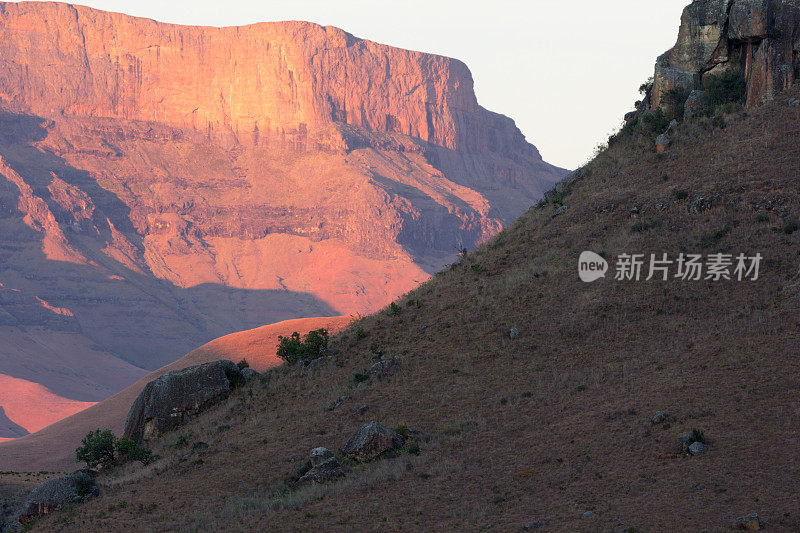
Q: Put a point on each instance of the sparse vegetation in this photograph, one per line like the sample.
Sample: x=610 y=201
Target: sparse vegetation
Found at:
x=293 y=349
x=101 y=449
x=725 y=89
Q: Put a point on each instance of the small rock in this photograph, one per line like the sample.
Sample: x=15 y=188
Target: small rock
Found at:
x=587 y=514
x=535 y=524
x=361 y=409
x=324 y=467
x=372 y=440
x=701 y=202
x=560 y=211
x=385 y=367
x=662 y=143
x=329 y=352
x=747 y=523
x=513 y=333
x=697 y=448
x=672 y=125
x=295 y=458
x=249 y=373
x=659 y=417
x=318 y=362
x=794 y=102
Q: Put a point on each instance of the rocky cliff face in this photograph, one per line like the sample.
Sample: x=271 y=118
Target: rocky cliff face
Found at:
x=759 y=38
x=163 y=185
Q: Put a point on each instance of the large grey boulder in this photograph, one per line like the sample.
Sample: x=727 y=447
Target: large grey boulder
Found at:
x=372 y=440
x=166 y=401
x=57 y=493
x=324 y=467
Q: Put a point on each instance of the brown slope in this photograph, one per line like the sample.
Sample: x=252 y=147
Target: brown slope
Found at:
x=558 y=421
x=53 y=448
x=176 y=183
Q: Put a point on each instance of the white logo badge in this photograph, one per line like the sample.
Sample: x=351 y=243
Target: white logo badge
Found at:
x=591 y=267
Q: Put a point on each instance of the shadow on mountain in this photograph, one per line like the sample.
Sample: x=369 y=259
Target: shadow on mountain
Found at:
x=8 y=428
x=131 y=315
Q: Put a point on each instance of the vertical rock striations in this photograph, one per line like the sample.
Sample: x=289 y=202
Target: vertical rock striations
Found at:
x=758 y=38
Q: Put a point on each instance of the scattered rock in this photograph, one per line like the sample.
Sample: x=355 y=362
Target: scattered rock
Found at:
x=659 y=417
x=695 y=104
x=329 y=352
x=318 y=362
x=324 y=467
x=361 y=409
x=249 y=373
x=295 y=458
x=747 y=523
x=57 y=493
x=386 y=367
x=702 y=202
x=697 y=448
x=372 y=440
x=513 y=333
x=662 y=143
x=535 y=524
x=794 y=102
x=166 y=401
x=560 y=211
x=587 y=514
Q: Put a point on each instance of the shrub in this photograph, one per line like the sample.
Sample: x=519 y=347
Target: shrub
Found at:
x=243 y=364
x=646 y=87
x=676 y=98
x=97 y=449
x=292 y=349
x=726 y=88
x=680 y=194
x=129 y=450
x=791 y=226
x=655 y=122
x=103 y=449
x=394 y=309
x=360 y=334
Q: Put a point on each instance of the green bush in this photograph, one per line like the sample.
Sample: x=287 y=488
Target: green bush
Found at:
x=97 y=449
x=129 y=450
x=394 y=309
x=293 y=349
x=729 y=87
x=676 y=98
x=791 y=226
x=243 y=364
x=102 y=449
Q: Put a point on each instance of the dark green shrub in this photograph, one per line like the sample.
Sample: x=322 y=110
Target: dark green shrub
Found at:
x=129 y=450
x=401 y=429
x=655 y=123
x=646 y=87
x=676 y=99
x=729 y=87
x=243 y=364
x=292 y=349
x=680 y=194
x=97 y=449
x=360 y=377
x=394 y=309
x=360 y=334
x=791 y=226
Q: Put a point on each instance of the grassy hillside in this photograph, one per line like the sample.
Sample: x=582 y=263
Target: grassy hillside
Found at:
x=555 y=422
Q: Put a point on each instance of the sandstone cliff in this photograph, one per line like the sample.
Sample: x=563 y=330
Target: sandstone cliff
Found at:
x=759 y=38
x=163 y=185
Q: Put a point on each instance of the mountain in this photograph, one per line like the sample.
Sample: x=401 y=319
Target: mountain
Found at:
x=164 y=185
x=538 y=400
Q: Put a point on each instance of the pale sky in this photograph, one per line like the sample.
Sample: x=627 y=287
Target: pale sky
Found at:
x=565 y=71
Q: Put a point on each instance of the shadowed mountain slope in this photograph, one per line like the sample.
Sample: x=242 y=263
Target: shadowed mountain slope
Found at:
x=557 y=421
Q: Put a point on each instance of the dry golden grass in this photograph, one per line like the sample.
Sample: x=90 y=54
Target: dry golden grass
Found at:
x=557 y=421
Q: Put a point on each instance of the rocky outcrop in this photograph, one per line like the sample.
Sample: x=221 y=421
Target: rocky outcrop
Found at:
x=324 y=467
x=759 y=38
x=372 y=440
x=58 y=493
x=166 y=401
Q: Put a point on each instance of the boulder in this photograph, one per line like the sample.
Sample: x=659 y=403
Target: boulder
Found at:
x=324 y=467
x=57 y=493
x=662 y=143
x=371 y=441
x=697 y=448
x=747 y=20
x=249 y=373
x=659 y=417
x=166 y=401
x=747 y=523
x=696 y=104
